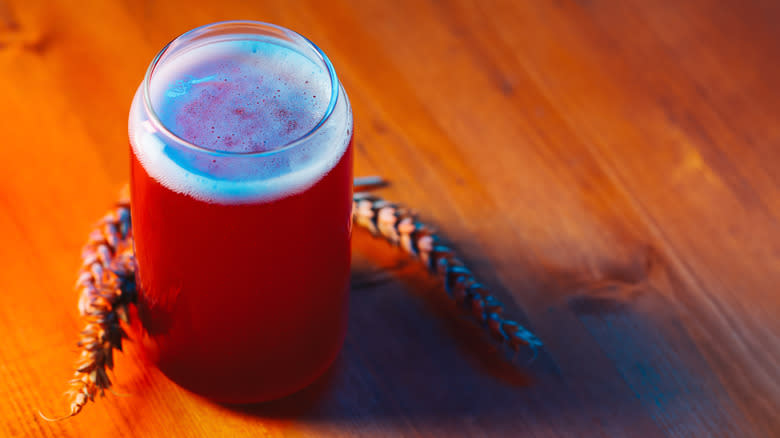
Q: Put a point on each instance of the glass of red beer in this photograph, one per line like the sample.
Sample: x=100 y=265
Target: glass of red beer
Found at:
x=241 y=183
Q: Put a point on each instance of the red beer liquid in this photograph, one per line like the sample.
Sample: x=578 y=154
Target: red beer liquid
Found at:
x=241 y=299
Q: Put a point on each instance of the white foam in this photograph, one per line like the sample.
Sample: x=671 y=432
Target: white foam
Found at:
x=229 y=178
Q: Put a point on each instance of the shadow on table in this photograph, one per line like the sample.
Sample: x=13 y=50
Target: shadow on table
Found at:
x=409 y=352
x=411 y=357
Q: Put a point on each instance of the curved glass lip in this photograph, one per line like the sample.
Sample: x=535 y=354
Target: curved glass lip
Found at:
x=155 y=120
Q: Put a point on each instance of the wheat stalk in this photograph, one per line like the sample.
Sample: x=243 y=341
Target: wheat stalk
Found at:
x=106 y=283
x=399 y=226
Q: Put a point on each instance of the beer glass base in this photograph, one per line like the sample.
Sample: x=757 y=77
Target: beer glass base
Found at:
x=240 y=396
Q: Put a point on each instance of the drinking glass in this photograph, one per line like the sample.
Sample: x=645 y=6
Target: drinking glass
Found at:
x=241 y=185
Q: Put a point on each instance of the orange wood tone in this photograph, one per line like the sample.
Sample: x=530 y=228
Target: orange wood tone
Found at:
x=610 y=168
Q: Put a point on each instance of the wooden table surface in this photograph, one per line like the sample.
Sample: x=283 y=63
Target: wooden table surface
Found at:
x=610 y=169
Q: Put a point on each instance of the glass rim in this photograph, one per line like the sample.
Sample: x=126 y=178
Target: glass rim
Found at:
x=160 y=126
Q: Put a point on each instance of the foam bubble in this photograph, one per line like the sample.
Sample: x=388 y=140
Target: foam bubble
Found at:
x=229 y=97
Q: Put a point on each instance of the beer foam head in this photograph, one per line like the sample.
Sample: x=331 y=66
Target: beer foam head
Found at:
x=236 y=119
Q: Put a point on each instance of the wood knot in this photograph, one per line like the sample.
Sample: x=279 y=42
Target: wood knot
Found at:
x=32 y=39
x=616 y=286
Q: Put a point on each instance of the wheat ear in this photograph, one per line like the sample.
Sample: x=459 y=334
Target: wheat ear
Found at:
x=106 y=284
x=399 y=226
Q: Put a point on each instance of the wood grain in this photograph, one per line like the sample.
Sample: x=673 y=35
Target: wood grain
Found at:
x=612 y=169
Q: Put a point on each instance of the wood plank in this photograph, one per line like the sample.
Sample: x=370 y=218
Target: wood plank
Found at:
x=608 y=168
